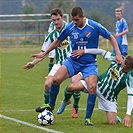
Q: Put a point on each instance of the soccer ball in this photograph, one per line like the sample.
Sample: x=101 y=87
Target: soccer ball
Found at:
x=45 y=118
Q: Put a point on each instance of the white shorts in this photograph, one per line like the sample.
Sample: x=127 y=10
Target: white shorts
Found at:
x=52 y=54
x=54 y=69
x=103 y=103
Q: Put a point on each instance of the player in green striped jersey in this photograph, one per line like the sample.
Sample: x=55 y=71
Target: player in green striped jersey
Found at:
x=61 y=52
x=110 y=83
x=52 y=53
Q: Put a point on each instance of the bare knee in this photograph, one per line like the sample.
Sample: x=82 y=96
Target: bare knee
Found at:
x=112 y=122
x=92 y=88
x=56 y=81
x=46 y=86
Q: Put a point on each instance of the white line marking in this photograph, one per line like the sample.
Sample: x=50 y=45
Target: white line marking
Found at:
x=29 y=124
x=31 y=110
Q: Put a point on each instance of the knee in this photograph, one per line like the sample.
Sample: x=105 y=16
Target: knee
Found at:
x=70 y=88
x=92 y=88
x=47 y=86
x=56 y=81
x=112 y=122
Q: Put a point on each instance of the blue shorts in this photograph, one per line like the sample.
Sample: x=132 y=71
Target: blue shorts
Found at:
x=123 y=49
x=86 y=70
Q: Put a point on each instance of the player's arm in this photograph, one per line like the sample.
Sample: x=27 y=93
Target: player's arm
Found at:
x=127 y=118
x=31 y=64
x=53 y=45
x=121 y=33
x=115 y=46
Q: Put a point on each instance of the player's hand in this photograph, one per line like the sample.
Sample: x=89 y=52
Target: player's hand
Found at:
x=28 y=65
x=78 y=53
x=40 y=55
x=119 y=59
x=116 y=35
x=127 y=121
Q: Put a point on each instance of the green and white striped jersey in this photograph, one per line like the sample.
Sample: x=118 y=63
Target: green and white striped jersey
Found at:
x=112 y=81
x=61 y=51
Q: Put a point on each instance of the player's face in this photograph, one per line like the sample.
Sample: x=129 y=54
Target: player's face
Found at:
x=78 y=21
x=118 y=15
x=58 y=21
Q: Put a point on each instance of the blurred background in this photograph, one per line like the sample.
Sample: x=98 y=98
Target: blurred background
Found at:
x=19 y=28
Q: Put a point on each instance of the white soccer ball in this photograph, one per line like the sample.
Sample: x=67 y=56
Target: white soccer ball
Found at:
x=45 y=118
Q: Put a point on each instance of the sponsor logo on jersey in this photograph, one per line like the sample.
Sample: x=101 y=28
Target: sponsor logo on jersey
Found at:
x=63 y=45
x=114 y=74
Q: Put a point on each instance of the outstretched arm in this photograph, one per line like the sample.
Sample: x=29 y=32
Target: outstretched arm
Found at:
x=53 y=45
x=30 y=65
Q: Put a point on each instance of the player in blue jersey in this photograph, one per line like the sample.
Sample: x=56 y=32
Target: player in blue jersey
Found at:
x=61 y=52
x=84 y=33
x=121 y=32
x=110 y=83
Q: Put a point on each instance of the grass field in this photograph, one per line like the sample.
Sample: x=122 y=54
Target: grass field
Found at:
x=22 y=91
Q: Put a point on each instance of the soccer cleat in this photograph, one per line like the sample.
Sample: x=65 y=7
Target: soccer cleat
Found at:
x=88 y=122
x=43 y=107
x=62 y=106
x=75 y=112
x=118 y=120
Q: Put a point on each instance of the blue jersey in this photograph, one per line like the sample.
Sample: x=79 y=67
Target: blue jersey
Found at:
x=120 y=27
x=84 y=38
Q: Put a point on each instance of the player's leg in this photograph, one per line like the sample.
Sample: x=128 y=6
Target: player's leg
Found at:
x=47 y=87
x=109 y=107
x=76 y=96
x=91 y=81
x=46 y=94
x=59 y=77
x=68 y=92
x=75 y=109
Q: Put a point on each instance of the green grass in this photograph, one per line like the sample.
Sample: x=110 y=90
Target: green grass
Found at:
x=22 y=91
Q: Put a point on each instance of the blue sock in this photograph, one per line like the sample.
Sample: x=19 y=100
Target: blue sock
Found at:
x=90 y=105
x=54 y=90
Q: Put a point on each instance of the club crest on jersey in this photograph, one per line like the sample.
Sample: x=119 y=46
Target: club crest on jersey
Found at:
x=88 y=34
x=64 y=44
x=114 y=74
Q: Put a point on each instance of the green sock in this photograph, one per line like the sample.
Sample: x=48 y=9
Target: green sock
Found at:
x=50 y=66
x=46 y=97
x=76 y=96
x=67 y=95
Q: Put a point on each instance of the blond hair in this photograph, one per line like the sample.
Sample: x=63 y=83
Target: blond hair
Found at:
x=118 y=10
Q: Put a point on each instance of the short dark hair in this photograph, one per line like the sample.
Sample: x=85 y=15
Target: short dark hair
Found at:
x=129 y=61
x=77 y=11
x=56 y=11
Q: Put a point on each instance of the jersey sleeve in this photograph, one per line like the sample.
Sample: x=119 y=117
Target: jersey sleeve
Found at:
x=47 y=42
x=125 y=25
x=129 y=86
x=103 y=31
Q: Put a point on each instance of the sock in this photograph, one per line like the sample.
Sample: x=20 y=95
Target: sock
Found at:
x=76 y=96
x=67 y=95
x=90 y=105
x=54 y=90
x=50 y=66
x=46 y=97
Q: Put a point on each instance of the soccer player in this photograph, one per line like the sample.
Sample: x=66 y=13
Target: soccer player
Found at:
x=84 y=33
x=61 y=53
x=121 y=32
x=110 y=83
